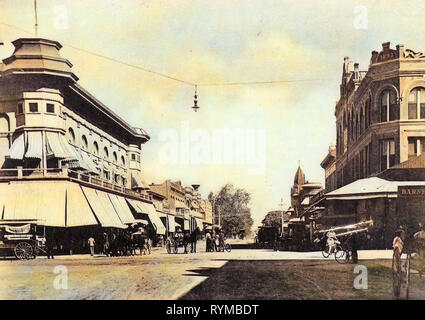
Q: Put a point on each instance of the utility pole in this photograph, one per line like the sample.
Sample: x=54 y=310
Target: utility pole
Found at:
x=281 y=214
x=36 y=19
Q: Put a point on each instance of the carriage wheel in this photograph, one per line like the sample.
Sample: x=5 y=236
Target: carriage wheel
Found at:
x=341 y=255
x=175 y=249
x=24 y=250
x=326 y=252
x=397 y=273
x=227 y=247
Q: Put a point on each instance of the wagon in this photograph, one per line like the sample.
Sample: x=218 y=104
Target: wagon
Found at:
x=23 y=238
x=174 y=243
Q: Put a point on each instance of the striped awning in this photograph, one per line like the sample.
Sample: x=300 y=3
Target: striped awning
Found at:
x=17 y=150
x=53 y=203
x=54 y=146
x=34 y=145
x=102 y=208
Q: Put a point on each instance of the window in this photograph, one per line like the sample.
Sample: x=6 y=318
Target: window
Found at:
x=71 y=135
x=33 y=107
x=133 y=156
x=106 y=153
x=122 y=161
x=117 y=178
x=85 y=142
x=415 y=146
x=416 y=105
x=106 y=175
x=387 y=153
x=20 y=108
x=389 y=107
x=96 y=148
x=115 y=157
x=50 y=108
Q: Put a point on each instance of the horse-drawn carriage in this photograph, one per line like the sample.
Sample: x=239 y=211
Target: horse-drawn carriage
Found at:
x=178 y=240
x=23 y=238
x=266 y=236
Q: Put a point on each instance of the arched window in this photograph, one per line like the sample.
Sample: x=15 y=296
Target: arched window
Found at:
x=417 y=104
x=389 y=107
x=105 y=153
x=96 y=148
x=115 y=157
x=85 y=142
x=122 y=161
x=71 y=135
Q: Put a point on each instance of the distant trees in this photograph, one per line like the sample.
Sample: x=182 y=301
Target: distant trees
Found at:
x=274 y=219
x=233 y=205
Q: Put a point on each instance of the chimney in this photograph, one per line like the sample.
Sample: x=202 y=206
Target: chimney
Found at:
x=386 y=46
x=400 y=50
x=374 y=57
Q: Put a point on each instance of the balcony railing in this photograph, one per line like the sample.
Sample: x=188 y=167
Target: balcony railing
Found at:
x=65 y=173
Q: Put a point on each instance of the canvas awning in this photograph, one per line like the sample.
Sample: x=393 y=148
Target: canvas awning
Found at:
x=34 y=145
x=369 y=188
x=78 y=211
x=137 y=180
x=122 y=208
x=199 y=224
x=102 y=208
x=53 y=203
x=149 y=209
x=17 y=150
x=171 y=223
x=54 y=145
x=153 y=217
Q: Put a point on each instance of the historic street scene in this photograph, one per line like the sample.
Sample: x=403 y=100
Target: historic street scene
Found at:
x=211 y=150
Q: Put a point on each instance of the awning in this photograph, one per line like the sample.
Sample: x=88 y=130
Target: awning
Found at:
x=137 y=180
x=135 y=205
x=52 y=203
x=121 y=208
x=199 y=224
x=186 y=225
x=34 y=145
x=88 y=163
x=102 y=208
x=17 y=150
x=171 y=223
x=44 y=201
x=54 y=145
x=141 y=221
x=153 y=217
x=362 y=197
x=78 y=212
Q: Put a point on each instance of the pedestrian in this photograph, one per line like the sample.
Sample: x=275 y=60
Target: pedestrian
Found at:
x=91 y=243
x=49 y=244
x=353 y=248
x=208 y=242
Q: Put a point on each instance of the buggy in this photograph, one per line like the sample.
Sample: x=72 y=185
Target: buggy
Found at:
x=24 y=238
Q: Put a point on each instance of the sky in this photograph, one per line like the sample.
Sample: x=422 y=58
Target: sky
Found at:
x=269 y=129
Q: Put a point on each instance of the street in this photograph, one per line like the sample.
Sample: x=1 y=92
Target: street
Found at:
x=240 y=274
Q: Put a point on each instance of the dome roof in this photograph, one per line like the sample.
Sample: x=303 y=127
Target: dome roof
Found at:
x=37 y=55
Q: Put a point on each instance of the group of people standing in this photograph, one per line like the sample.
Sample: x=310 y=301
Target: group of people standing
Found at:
x=214 y=241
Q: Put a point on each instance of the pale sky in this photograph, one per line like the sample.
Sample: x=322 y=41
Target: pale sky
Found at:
x=206 y=41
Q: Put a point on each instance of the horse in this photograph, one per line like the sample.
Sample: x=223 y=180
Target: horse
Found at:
x=193 y=238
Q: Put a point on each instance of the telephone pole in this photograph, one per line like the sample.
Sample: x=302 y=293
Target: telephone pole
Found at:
x=36 y=19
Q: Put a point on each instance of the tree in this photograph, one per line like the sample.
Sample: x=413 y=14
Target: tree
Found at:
x=274 y=219
x=233 y=205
